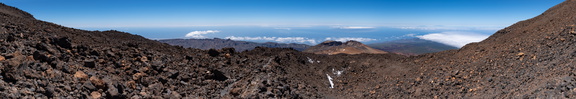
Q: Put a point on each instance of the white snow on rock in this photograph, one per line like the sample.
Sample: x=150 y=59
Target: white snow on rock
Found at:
x=330 y=80
x=337 y=72
x=310 y=60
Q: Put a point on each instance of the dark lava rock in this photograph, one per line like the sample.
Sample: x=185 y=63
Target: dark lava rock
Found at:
x=62 y=42
x=112 y=91
x=213 y=52
x=90 y=63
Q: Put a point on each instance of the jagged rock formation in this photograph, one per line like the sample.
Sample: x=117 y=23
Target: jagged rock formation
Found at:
x=336 y=47
x=216 y=43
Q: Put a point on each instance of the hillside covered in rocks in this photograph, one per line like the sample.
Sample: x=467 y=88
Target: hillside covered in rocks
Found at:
x=38 y=59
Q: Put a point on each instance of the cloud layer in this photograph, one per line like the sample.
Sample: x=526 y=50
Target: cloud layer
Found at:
x=451 y=27
x=276 y=39
x=355 y=27
x=457 y=39
x=344 y=39
x=200 y=34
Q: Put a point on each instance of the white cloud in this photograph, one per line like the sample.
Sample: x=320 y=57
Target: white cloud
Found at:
x=409 y=35
x=296 y=40
x=283 y=28
x=457 y=39
x=440 y=27
x=354 y=27
x=251 y=38
x=200 y=34
x=344 y=39
x=276 y=39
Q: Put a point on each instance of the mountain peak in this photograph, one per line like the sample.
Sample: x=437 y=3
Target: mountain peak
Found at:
x=12 y=11
x=352 y=43
x=331 y=43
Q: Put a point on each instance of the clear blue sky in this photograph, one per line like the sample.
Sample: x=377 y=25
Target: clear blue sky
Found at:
x=177 y=13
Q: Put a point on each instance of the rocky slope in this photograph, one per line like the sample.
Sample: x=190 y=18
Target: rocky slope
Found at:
x=44 y=60
x=530 y=59
x=216 y=43
x=337 y=47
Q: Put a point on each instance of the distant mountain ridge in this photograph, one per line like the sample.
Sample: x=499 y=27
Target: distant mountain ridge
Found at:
x=408 y=47
x=217 y=43
x=337 y=47
x=412 y=46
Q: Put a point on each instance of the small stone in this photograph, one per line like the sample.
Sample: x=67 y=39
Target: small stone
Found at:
x=136 y=97
x=16 y=59
x=131 y=84
x=50 y=90
x=96 y=95
x=30 y=58
x=89 y=86
x=138 y=76
x=112 y=91
x=144 y=59
x=63 y=42
x=418 y=79
x=144 y=69
x=227 y=55
x=156 y=87
x=236 y=91
x=520 y=54
x=97 y=82
x=90 y=63
x=213 y=52
x=2 y=58
x=68 y=88
x=175 y=95
x=144 y=94
x=81 y=75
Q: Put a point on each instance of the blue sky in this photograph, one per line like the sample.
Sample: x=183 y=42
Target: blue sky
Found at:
x=171 y=13
x=452 y=22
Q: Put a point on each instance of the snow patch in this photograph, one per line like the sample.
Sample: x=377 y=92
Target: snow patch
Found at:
x=337 y=72
x=266 y=65
x=310 y=60
x=330 y=80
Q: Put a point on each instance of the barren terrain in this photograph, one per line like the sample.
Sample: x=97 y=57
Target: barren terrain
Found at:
x=530 y=59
